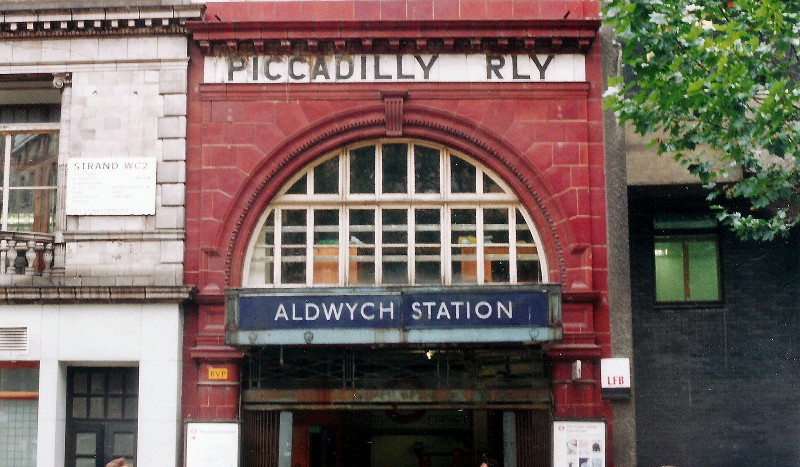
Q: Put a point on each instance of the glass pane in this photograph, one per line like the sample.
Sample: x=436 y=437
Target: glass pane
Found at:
x=115 y=383
x=124 y=445
x=669 y=271
x=703 y=270
x=114 y=407
x=293 y=237
x=79 y=383
x=131 y=408
x=490 y=186
x=98 y=381
x=261 y=262
x=326 y=246
x=132 y=381
x=19 y=379
x=426 y=169
x=395 y=168
x=326 y=227
x=326 y=177
x=395 y=249
x=428 y=246
x=362 y=170
x=34 y=159
x=462 y=175
x=300 y=187
x=86 y=444
x=30 y=113
x=362 y=246
x=79 y=406
x=18 y=426
x=96 y=407
x=528 y=265
x=31 y=210
x=496 y=246
x=463 y=243
x=85 y=463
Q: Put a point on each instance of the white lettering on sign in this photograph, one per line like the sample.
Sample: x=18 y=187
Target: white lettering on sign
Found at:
x=380 y=311
x=111 y=186
x=395 y=68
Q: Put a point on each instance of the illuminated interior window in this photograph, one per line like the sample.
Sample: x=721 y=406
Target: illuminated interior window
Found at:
x=394 y=212
x=686 y=254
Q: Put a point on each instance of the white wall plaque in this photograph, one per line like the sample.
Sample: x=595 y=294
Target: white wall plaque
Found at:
x=111 y=186
x=615 y=378
x=212 y=444
x=579 y=443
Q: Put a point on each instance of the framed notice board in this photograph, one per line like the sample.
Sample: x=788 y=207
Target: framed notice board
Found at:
x=579 y=443
x=212 y=444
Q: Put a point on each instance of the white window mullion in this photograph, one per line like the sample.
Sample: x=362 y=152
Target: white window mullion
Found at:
x=378 y=246
x=411 y=226
x=447 y=264
x=344 y=168
x=344 y=250
x=479 y=245
x=6 y=180
x=310 y=246
x=277 y=255
x=512 y=244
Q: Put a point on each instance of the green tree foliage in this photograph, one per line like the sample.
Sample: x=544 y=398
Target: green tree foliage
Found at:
x=718 y=77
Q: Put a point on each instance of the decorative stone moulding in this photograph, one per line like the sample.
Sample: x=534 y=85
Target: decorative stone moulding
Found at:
x=529 y=36
x=96 y=21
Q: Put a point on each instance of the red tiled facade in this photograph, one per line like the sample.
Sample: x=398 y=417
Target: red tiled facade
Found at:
x=545 y=139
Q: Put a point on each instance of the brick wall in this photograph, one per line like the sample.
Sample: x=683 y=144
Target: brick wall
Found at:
x=717 y=386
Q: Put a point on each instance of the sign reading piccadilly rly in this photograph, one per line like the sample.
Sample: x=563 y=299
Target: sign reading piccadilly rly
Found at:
x=396 y=315
x=369 y=68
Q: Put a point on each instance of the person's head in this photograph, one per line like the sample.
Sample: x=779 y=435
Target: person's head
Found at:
x=121 y=462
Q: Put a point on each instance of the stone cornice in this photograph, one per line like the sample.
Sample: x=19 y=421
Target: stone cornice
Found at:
x=72 y=22
x=410 y=36
x=95 y=294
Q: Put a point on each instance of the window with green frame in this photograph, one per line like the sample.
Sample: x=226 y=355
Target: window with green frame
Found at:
x=687 y=266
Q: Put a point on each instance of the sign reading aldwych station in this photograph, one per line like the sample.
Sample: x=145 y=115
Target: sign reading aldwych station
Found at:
x=508 y=314
x=371 y=68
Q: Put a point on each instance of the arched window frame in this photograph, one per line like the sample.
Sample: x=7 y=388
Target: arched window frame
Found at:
x=445 y=201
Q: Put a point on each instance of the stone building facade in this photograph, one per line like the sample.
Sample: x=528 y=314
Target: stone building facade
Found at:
x=92 y=129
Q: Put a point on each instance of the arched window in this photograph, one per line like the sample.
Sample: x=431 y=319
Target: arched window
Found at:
x=394 y=212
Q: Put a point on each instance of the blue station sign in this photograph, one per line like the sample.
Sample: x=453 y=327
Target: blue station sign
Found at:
x=383 y=316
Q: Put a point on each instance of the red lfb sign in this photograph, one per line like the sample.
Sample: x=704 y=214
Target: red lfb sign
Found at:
x=615 y=373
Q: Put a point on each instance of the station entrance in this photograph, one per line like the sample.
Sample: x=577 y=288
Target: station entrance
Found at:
x=318 y=407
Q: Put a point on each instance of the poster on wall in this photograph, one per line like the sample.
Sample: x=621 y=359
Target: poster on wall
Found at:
x=579 y=443
x=212 y=444
x=111 y=186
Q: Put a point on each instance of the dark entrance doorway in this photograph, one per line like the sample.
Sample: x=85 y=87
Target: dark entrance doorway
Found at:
x=102 y=406
x=395 y=407
x=377 y=438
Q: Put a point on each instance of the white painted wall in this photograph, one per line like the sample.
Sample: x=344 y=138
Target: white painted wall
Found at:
x=146 y=335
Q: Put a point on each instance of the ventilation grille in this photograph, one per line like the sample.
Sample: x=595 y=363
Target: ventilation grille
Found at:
x=14 y=339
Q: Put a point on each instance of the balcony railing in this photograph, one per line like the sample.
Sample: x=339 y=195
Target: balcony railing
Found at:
x=24 y=256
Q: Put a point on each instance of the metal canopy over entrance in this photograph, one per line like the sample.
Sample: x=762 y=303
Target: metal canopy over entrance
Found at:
x=411 y=379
